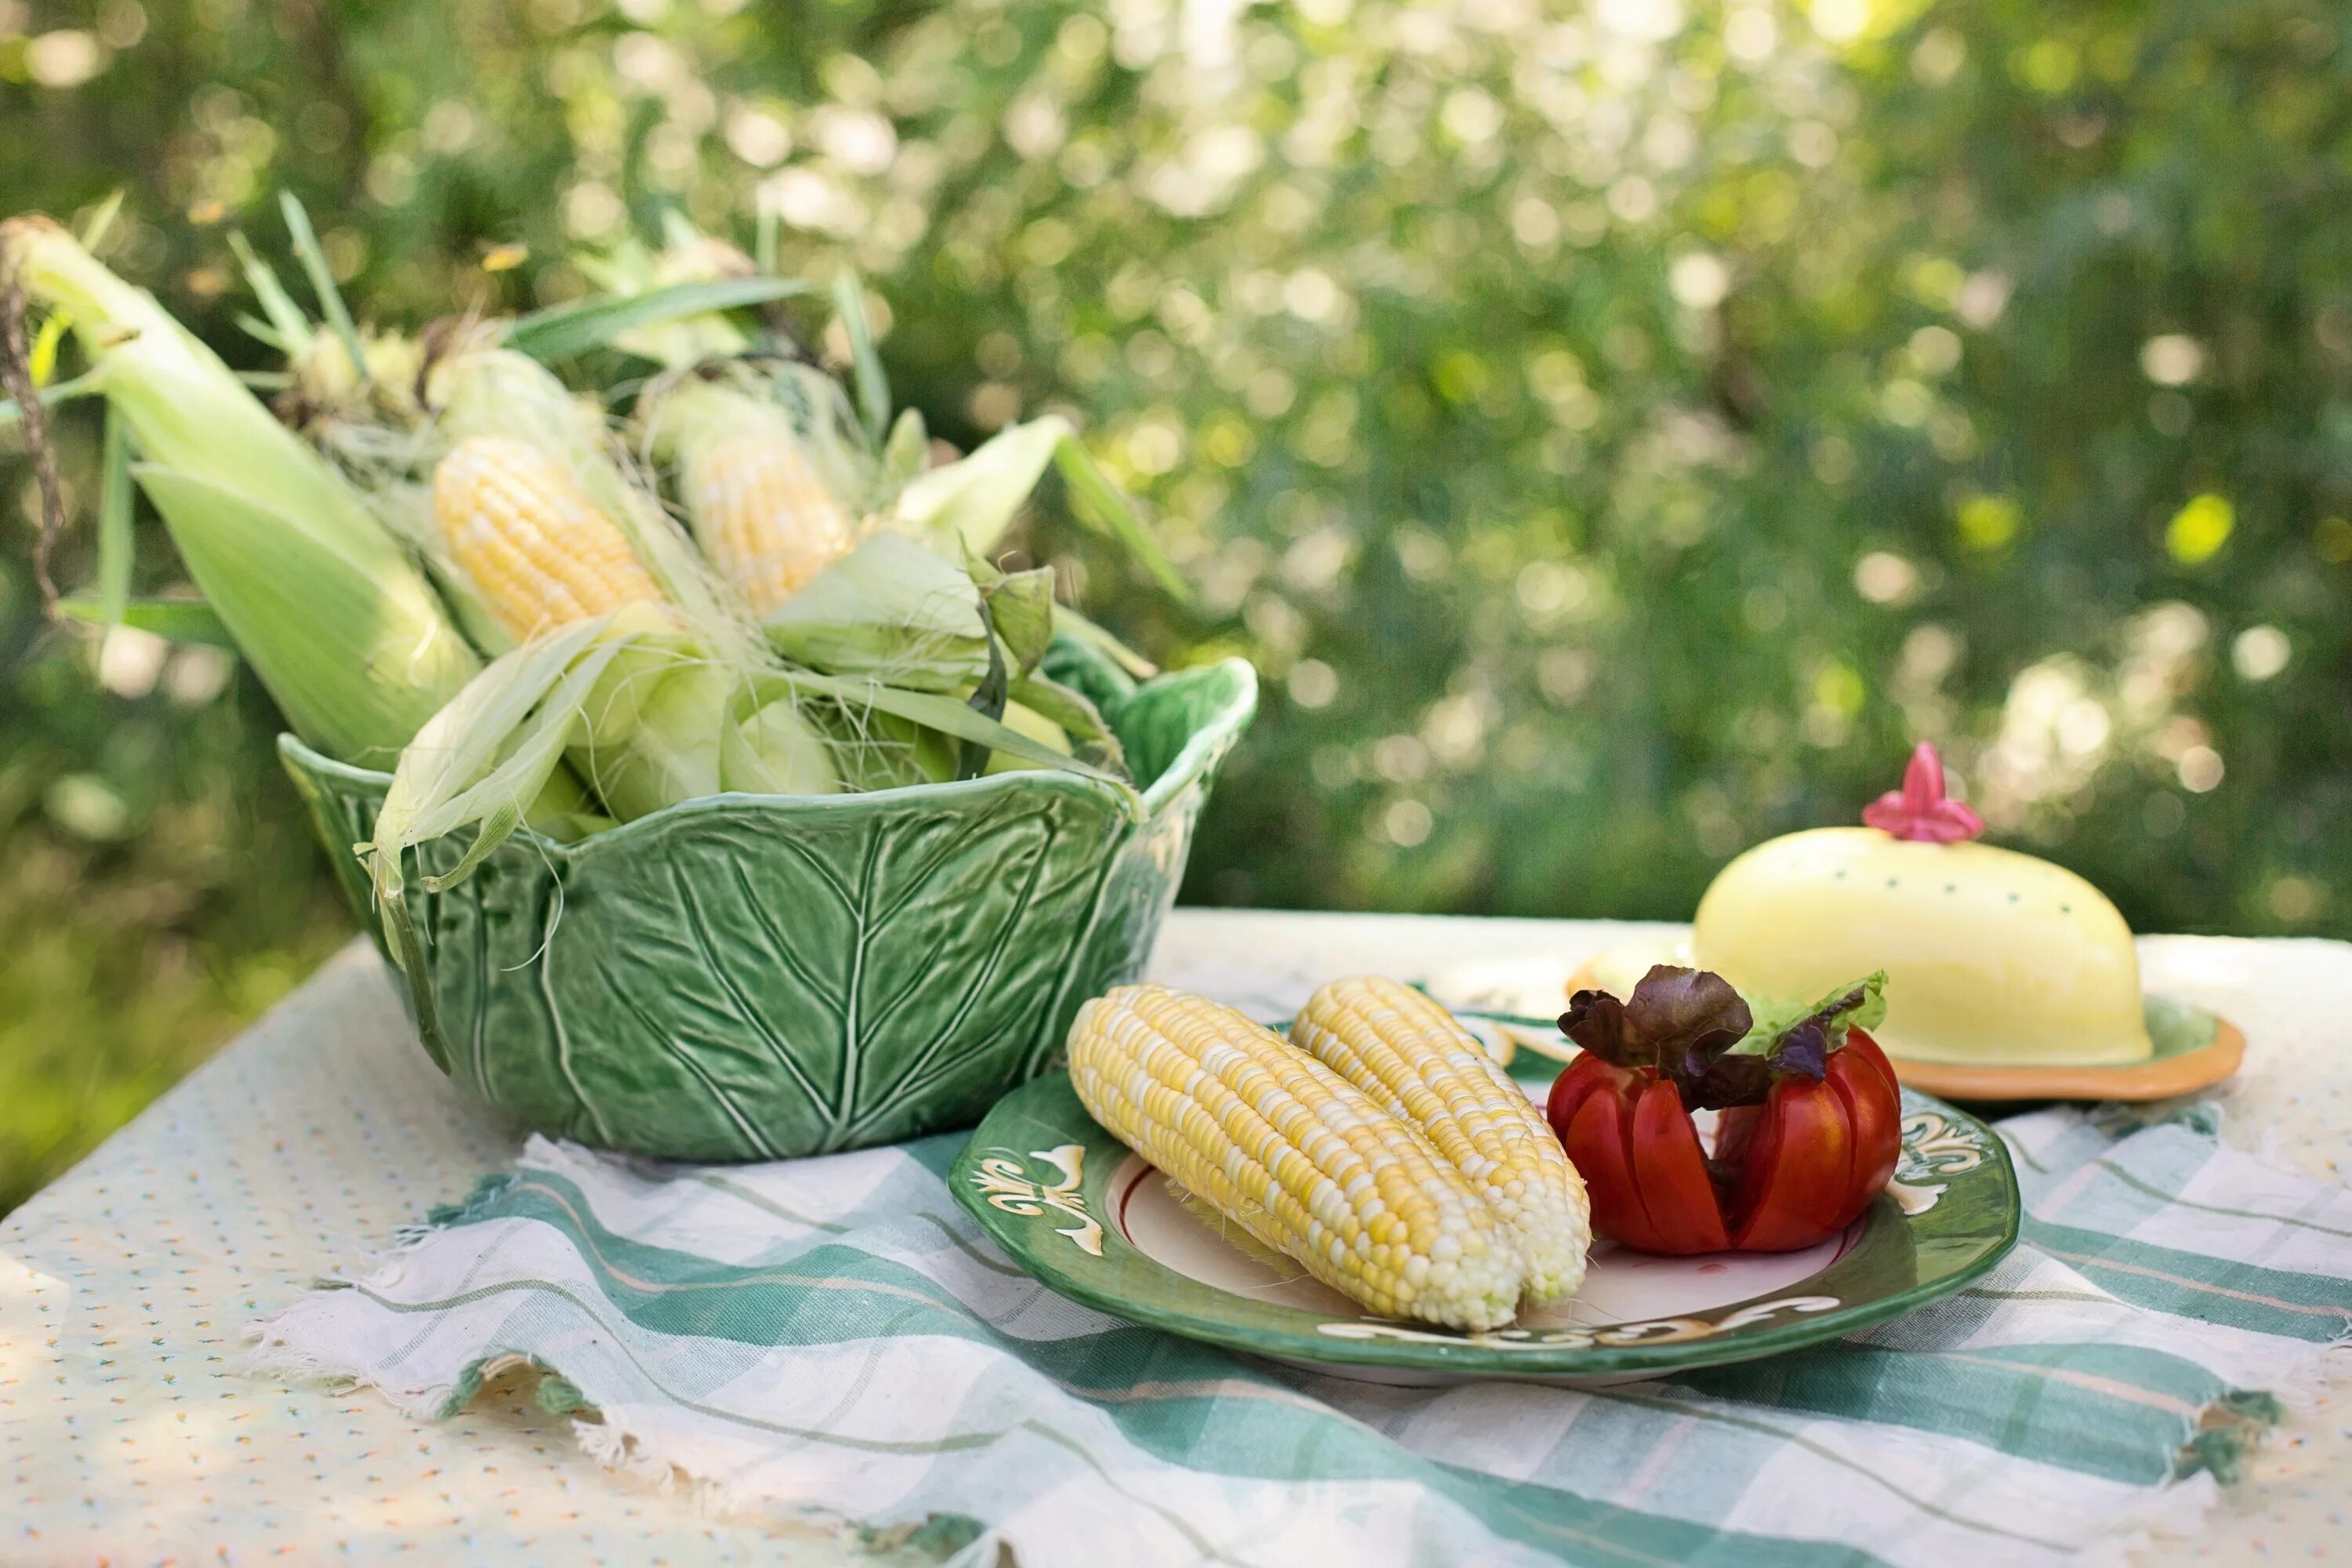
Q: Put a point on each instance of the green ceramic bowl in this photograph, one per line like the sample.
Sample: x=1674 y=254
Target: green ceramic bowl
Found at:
x=753 y=977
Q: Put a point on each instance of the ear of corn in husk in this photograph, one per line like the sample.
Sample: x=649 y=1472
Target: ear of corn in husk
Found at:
x=346 y=633
x=1297 y=1155
x=474 y=388
x=766 y=518
x=531 y=539
x=1408 y=1056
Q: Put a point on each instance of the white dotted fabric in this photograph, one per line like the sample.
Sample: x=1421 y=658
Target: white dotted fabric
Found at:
x=127 y=1436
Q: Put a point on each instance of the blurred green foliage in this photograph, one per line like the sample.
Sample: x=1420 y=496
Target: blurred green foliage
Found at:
x=1616 y=433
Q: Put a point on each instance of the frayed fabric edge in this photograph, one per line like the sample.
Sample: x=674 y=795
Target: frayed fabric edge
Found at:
x=270 y=1355
x=619 y=1447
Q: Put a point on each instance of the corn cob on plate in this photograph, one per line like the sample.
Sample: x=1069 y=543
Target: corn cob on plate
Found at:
x=1272 y=1230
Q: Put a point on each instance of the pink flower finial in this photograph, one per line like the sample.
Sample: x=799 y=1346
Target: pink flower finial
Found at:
x=1919 y=810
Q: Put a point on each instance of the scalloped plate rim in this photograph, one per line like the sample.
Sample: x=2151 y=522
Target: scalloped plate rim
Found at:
x=1030 y=1221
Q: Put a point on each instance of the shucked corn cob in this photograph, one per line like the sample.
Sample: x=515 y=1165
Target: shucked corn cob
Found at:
x=1408 y=1056
x=1296 y=1155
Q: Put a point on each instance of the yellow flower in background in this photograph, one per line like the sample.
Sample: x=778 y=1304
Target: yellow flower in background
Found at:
x=2198 y=530
x=1987 y=522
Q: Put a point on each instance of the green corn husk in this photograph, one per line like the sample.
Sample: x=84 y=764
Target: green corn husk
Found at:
x=646 y=703
x=481 y=390
x=964 y=508
x=633 y=268
x=889 y=609
x=1027 y=720
x=342 y=629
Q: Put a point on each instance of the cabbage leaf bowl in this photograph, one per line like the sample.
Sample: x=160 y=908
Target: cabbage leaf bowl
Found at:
x=754 y=977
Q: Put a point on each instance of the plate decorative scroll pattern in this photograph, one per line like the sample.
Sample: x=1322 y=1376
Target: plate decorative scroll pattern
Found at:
x=1933 y=1146
x=1011 y=1187
x=1657 y=1332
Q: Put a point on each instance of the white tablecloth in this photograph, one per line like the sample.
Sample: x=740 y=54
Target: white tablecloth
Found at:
x=126 y=1434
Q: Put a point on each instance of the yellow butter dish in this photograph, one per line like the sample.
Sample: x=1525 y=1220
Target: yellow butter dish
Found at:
x=2006 y=976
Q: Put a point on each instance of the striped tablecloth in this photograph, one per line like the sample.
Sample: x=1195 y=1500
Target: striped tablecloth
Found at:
x=831 y=1340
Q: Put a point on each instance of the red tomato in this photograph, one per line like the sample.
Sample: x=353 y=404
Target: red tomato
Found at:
x=1787 y=1173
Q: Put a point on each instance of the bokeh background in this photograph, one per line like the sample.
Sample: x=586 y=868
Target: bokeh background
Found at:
x=1613 y=432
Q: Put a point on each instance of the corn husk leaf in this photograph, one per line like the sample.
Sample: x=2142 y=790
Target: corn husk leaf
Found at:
x=100 y=224
x=1034 y=725
x=173 y=620
x=356 y=663
x=561 y=331
x=968 y=505
x=493 y=746
x=963 y=508
x=865 y=364
x=1076 y=626
x=313 y=259
x=89 y=384
x=933 y=712
x=878 y=751
x=777 y=751
x=1104 y=504
x=1019 y=608
x=1076 y=716
x=889 y=609
x=116 y=552
x=290 y=327
x=988 y=700
x=478 y=763
x=905 y=454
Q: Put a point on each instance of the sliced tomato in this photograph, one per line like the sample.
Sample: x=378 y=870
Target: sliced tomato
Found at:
x=1865 y=1082
x=1794 y=1183
x=1599 y=1145
x=1805 y=1163
x=1670 y=1172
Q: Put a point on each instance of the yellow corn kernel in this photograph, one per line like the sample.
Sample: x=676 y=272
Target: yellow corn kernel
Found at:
x=1296 y=1155
x=1408 y=1056
x=524 y=531
x=763 y=515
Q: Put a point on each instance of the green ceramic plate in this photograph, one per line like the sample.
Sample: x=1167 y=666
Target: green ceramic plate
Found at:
x=1072 y=1205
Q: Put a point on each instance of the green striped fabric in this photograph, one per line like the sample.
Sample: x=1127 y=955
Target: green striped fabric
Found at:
x=835 y=1339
